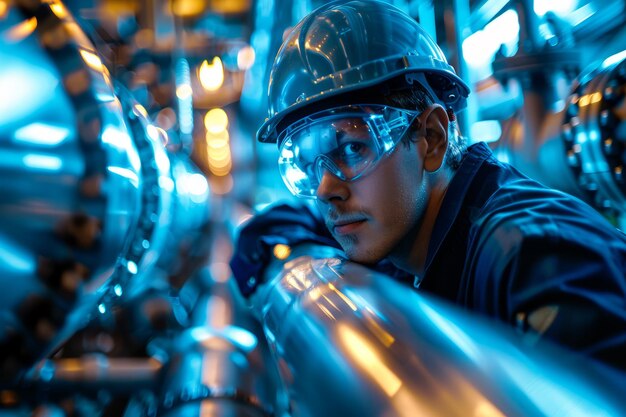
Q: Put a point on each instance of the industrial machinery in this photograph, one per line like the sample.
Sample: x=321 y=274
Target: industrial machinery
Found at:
x=108 y=223
x=568 y=131
x=105 y=232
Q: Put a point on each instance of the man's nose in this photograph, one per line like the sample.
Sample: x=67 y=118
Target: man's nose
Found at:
x=330 y=186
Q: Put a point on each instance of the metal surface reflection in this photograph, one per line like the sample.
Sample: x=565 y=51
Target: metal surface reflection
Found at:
x=95 y=211
x=217 y=367
x=69 y=177
x=569 y=131
x=341 y=331
x=594 y=132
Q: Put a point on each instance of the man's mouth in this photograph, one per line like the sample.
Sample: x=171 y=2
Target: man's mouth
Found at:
x=347 y=226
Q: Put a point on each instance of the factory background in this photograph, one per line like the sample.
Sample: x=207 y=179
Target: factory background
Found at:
x=128 y=162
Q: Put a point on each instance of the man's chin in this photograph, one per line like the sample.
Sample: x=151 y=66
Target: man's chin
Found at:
x=362 y=257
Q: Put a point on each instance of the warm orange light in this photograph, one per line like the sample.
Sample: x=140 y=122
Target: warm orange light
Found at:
x=211 y=75
x=216 y=121
x=217 y=148
x=116 y=8
x=382 y=335
x=595 y=97
x=184 y=91
x=92 y=60
x=218 y=154
x=219 y=137
x=3 y=9
x=485 y=408
x=584 y=100
x=315 y=294
x=59 y=10
x=220 y=168
x=281 y=251
x=342 y=296
x=220 y=161
x=245 y=58
x=221 y=172
x=187 y=8
x=361 y=351
x=141 y=110
x=230 y=6
x=22 y=30
x=217 y=145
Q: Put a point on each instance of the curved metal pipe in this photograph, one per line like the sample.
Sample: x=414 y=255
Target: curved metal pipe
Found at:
x=92 y=373
x=217 y=366
x=69 y=179
x=350 y=341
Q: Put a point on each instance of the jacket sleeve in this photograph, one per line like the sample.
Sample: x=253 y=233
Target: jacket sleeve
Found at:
x=287 y=224
x=565 y=284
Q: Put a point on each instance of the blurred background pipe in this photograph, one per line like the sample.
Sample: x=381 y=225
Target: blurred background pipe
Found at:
x=217 y=366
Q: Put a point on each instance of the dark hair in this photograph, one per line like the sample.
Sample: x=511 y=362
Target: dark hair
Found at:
x=418 y=98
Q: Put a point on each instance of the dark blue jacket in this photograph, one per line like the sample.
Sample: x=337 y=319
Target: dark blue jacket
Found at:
x=502 y=245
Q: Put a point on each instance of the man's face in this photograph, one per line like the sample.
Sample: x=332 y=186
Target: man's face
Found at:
x=373 y=215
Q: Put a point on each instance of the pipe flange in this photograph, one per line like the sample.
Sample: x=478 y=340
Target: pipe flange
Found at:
x=594 y=134
x=201 y=392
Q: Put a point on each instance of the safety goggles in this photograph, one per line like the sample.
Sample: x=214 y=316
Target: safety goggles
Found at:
x=347 y=141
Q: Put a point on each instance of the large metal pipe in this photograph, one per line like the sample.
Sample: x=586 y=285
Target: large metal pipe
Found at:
x=69 y=179
x=94 y=210
x=350 y=341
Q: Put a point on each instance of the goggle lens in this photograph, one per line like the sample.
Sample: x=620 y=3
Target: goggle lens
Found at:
x=347 y=141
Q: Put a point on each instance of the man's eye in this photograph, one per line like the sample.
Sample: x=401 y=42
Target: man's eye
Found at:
x=352 y=149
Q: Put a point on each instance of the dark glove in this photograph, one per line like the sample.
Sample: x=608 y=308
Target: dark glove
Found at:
x=287 y=224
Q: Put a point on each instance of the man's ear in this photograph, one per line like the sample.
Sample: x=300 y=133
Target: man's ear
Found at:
x=435 y=128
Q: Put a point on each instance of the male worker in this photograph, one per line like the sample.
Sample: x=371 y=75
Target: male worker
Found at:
x=362 y=107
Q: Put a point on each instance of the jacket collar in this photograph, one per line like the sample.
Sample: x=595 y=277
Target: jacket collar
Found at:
x=455 y=195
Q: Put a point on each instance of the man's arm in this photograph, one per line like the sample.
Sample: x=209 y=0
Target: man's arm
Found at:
x=571 y=291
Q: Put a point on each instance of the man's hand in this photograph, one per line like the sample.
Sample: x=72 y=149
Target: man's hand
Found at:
x=285 y=225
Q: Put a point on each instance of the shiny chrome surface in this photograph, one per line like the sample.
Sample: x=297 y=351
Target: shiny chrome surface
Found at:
x=594 y=132
x=95 y=208
x=579 y=149
x=350 y=341
x=94 y=373
x=569 y=132
x=71 y=144
x=135 y=272
x=217 y=365
x=69 y=177
x=186 y=247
